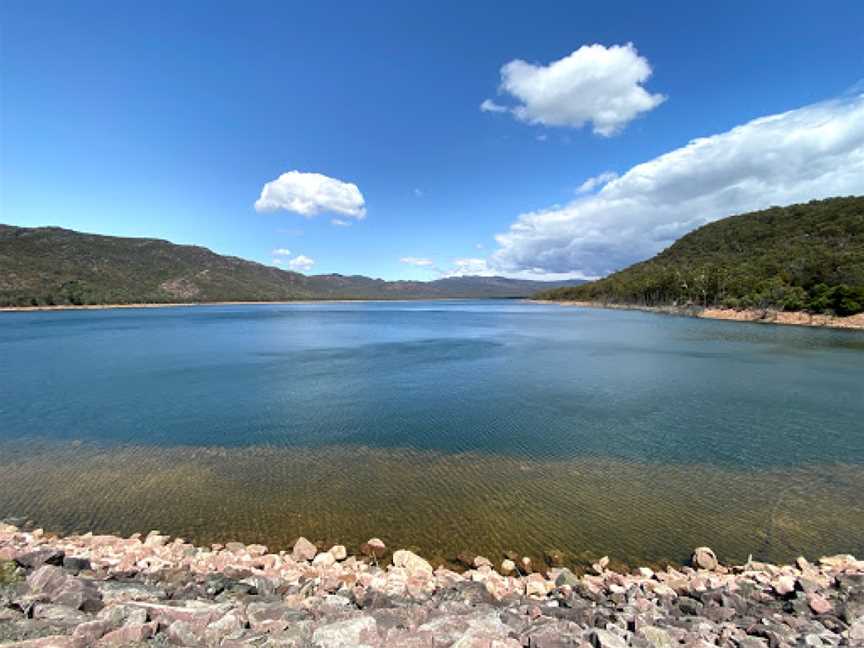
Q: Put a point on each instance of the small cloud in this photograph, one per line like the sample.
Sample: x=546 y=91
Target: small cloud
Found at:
x=593 y=84
x=281 y=252
x=596 y=182
x=341 y=222
x=542 y=137
x=419 y=193
x=490 y=106
x=469 y=267
x=301 y=263
x=416 y=261
x=310 y=194
x=480 y=246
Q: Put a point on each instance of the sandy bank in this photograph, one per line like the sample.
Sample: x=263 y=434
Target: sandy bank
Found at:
x=762 y=316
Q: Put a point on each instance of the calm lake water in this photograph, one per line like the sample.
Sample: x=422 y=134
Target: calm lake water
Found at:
x=440 y=426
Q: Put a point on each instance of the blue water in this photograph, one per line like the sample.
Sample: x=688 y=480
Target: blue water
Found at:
x=502 y=377
x=437 y=425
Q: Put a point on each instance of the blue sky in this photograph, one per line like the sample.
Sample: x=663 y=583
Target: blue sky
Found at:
x=167 y=119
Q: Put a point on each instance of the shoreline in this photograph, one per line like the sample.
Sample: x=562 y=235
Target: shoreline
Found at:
x=758 y=316
x=73 y=307
x=103 y=590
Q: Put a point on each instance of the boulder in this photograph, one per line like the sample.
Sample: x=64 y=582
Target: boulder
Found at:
x=507 y=567
x=131 y=634
x=324 y=559
x=303 y=550
x=374 y=548
x=605 y=639
x=704 y=558
x=412 y=563
x=349 y=633
x=480 y=561
x=339 y=552
x=818 y=603
x=566 y=577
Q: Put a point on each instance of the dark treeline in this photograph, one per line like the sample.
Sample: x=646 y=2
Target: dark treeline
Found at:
x=802 y=257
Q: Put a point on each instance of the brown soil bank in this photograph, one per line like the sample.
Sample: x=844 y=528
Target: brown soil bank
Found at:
x=88 y=590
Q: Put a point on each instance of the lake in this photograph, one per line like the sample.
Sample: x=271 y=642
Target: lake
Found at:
x=437 y=426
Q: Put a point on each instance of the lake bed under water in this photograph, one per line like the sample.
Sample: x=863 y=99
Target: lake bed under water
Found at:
x=438 y=426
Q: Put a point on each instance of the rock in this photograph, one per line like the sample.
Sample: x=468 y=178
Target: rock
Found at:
x=412 y=563
x=818 y=603
x=59 y=614
x=704 y=558
x=90 y=632
x=554 y=557
x=350 y=633
x=374 y=548
x=127 y=635
x=339 y=552
x=114 y=592
x=605 y=639
x=303 y=550
x=535 y=585
x=75 y=564
x=480 y=561
x=527 y=565
x=856 y=632
x=656 y=637
x=271 y=617
x=46 y=579
x=78 y=594
x=566 y=577
x=324 y=559
x=35 y=559
x=507 y=567
x=466 y=559
x=601 y=565
x=784 y=585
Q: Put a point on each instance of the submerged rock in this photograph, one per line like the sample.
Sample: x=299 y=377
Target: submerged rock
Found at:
x=374 y=548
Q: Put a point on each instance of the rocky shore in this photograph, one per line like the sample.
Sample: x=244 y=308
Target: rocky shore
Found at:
x=107 y=591
x=757 y=315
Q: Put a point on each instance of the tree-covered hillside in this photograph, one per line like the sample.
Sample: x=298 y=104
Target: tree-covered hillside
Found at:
x=802 y=257
x=47 y=266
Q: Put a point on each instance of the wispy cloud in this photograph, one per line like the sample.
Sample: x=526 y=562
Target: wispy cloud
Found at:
x=416 y=261
x=281 y=252
x=804 y=154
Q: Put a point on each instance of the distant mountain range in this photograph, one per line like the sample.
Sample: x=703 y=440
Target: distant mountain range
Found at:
x=806 y=257
x=53 y=266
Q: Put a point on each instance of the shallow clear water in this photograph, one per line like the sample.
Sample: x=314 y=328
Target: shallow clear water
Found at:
x=437 y=425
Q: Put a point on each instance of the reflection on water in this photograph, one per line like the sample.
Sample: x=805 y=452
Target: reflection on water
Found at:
x=486 y=426
x=438 y=503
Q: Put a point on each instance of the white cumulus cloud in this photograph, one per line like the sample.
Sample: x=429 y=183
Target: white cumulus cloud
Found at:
x=808 y=153
x=416 y=261
x=310 y=194
x=301 y=263
x=596 y=84
x=281 y=252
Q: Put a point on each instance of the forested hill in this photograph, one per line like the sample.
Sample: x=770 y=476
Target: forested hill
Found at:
x=51 y=266
x=802 y=257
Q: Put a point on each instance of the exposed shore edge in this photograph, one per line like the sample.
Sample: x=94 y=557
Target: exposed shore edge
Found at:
x=760 y=316
x=72 y=307
x=104 y=590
